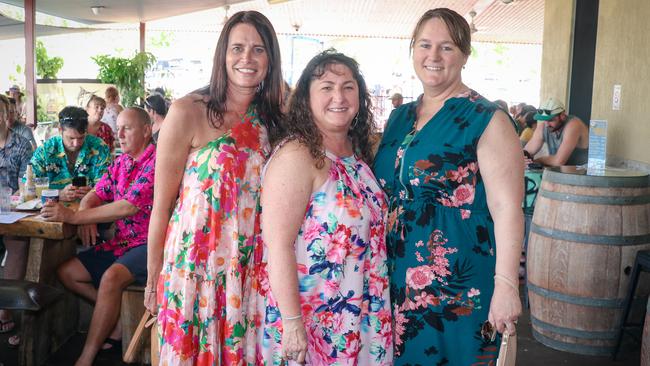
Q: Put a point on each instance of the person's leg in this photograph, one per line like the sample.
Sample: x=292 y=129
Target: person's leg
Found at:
x=14 y=269
x=76 y=278
x=107 y=310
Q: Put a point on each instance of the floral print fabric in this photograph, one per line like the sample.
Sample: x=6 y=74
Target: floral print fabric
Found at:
x=50 y=161
x=207 y=313
x=106 y=134
x=342 y=273
x=440 y=234
x=130 y=180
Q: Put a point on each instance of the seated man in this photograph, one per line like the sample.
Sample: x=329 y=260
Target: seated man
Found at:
x=15 y=152
x=19 y=127
x=567 y=136
x=124 y=195
x=73 y=154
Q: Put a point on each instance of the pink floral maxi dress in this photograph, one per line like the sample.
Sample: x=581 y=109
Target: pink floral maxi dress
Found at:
x=342 y=274
x=207 y=306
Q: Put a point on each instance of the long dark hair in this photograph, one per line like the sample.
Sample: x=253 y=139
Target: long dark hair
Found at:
x=299 y=122
x=268 y=98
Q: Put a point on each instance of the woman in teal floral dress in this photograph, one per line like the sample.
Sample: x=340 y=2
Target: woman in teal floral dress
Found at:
x=452 y=167
x=323 y=228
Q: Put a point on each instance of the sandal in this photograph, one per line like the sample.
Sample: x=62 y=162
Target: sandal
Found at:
x=7 y=326
x=13 y=341
x=114 y=349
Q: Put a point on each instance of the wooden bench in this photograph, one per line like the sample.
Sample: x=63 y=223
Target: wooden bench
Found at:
x=131 y=313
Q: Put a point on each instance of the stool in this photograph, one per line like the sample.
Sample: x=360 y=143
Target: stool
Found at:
x=641 y=263
x=130 y=315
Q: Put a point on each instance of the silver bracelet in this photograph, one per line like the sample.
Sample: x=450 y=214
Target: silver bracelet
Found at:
x=293 y=317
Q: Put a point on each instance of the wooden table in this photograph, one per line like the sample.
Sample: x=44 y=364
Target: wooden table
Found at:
x=50 y=244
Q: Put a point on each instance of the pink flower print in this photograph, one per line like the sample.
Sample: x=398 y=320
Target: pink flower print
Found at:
x=420 y=243
x=400 y=153
x=419 y=277
x=331 y=288
x=338 y=245
x=473 y=292
x=463 y=194
x=458 y=175
x=312 y=229
x=382 y=182
x=415 y=181
x=437 y=238
x=473 y=166
x=418 y=256
x=465 y=214
x=400 y=326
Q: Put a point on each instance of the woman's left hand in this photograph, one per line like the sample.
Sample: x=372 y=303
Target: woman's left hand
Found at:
x=505 y=308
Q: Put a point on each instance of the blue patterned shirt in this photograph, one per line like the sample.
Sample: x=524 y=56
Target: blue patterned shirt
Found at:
x=14 y=157
x=50 y=161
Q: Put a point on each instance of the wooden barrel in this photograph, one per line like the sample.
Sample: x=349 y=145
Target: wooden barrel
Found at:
x=585 y=233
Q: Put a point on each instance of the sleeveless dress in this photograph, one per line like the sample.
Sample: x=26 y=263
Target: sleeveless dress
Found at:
x=342 y=274
x=440 y=235
x=207 y=306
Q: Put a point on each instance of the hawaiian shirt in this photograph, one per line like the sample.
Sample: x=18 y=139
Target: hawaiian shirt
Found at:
x=24 y=131
x=131 y=180
x=50 y=161
x=14 y=158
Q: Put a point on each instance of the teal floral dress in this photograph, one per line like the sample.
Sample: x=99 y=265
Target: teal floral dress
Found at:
x=342 y=274
x=440 y=235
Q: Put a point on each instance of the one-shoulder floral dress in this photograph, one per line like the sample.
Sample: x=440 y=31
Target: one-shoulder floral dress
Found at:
x=207 y=312
x=342 y=274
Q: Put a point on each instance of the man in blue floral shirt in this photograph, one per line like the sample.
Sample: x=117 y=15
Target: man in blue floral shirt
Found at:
x=73 y=154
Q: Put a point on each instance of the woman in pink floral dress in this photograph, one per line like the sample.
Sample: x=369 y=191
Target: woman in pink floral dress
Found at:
x=95 y=108
x=323 y=228
x=206 y=204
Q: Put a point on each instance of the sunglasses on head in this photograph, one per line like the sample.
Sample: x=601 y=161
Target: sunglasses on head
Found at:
x=488 y=332
x=547 y=112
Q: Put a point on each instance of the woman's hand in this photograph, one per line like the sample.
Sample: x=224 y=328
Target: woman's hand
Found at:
x=150 y=302
x=505 y=307
x=294 y=340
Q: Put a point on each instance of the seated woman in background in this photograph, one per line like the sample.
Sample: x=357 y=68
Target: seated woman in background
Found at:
x=73 y=154
x=323 y=228
x=531 y=124
x=95 y=109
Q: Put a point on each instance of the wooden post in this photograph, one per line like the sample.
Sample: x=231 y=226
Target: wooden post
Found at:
x=30 y=65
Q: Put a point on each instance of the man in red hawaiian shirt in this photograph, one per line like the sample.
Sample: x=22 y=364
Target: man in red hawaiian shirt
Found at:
x=124 y=195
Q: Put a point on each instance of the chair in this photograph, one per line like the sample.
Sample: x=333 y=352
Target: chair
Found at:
x=641 y=263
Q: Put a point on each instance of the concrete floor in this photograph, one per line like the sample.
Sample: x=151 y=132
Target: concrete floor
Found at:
x=530 y=352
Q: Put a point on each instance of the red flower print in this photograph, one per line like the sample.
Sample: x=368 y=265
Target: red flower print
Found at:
x=419 y=277
x=246 y=136
x=463 y=194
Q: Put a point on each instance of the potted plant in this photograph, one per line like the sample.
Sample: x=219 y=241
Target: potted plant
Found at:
x=127 y=74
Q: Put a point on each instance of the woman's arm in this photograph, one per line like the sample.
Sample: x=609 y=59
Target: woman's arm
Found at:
x=502 y=166
x=174 y=145
x=286 y=189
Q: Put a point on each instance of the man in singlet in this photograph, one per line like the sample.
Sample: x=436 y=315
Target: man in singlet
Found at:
x=566 y=136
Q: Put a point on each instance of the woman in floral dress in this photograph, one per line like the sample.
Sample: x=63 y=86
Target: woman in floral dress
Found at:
x=323 y=228
x=452 y=167
x=95 y=108
x=206 y=203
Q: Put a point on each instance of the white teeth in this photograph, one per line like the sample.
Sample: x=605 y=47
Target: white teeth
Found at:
x=338 y=109
x=246 y=71
x=433 y=68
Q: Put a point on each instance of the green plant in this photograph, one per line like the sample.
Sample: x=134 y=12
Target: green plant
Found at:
x=127 y=74
x=46 y=67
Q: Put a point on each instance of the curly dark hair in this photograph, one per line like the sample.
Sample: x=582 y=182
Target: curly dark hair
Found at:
x=75 y=118
x=268 y=98
x=299 y=123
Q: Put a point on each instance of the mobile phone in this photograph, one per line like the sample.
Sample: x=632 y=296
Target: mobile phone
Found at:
x=79 y=181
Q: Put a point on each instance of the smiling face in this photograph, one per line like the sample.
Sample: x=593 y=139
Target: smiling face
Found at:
x=436 y=59
x=247 y=60
x=334 y=99
x=95 y=111
x=132 y=133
